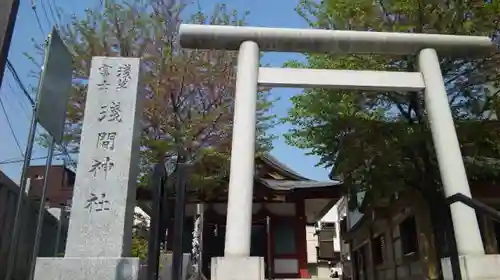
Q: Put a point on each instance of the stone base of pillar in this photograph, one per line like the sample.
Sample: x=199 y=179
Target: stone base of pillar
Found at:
x=166 y=266
x=237 y=268
x=87 y=268
x=482 y=267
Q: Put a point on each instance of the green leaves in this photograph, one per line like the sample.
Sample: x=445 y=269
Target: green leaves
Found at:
x=139 y=237
x=379 y=142
x=139 y=247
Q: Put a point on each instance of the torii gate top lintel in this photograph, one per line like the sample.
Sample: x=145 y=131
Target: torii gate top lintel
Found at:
x=224 y=37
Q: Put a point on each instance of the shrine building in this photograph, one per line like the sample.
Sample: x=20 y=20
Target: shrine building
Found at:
x=284 y=203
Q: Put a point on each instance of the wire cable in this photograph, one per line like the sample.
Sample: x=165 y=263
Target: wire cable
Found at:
x=21 y=104
x=53 y=14
x=44 y=9
x=9 y=124
x=19 y=82
x=11 y=68
x=11 y=161
x=33 y=7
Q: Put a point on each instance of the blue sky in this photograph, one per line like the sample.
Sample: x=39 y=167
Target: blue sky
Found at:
x=275 y=13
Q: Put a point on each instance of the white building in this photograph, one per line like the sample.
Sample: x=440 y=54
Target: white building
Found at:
x=141 y=217
x=324 y=245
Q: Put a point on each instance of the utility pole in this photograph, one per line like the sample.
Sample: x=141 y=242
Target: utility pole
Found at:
x=8 y=14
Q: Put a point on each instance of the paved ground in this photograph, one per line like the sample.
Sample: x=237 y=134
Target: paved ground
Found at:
x=314 y=279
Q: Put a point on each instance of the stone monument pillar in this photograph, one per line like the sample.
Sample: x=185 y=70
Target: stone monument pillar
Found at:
x=100 y=227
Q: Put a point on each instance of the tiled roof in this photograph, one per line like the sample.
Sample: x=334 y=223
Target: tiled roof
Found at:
x=287 y=185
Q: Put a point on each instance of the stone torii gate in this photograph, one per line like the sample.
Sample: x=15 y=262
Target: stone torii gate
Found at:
x=249 y=41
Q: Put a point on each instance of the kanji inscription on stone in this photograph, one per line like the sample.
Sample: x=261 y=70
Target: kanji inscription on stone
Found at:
x=111 y=112
x=97 y=203
x=106 y=140
x=104 y=192
x=104 y=71
x=102 y=165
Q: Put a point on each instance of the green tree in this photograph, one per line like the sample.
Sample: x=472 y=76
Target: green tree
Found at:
x=189 y=93
x=379 y=142
x=140 y=237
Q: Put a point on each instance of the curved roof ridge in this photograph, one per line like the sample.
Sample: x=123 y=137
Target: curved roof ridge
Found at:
x=271 y=160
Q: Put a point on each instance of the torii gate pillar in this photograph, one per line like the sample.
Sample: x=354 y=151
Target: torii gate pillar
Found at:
x=237 y=263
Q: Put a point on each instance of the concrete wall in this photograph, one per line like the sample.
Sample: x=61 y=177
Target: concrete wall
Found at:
x=312 y=242
x=9 y=192
x=323 y=271
x=332 y=217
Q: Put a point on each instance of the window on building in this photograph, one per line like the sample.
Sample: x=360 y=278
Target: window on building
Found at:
x=69 y=180
x=325 y=241
x=405 y=239
x=343 y=226
x=327 y=232
x=327 y=225
x=284 y=238
x=360 y=257
x=409 y=237
x=325 y=250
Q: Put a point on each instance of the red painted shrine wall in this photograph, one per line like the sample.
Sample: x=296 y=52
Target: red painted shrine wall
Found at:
x=216 y=222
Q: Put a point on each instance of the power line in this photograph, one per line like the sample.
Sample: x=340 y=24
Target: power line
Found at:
x=33 y=7
x=38 y=21
x=45 y=13
x=10 y=66
x=32 y=101
x=10 y=127
x=19 y=82
x=54 y=18
x=21 y=104
x=10 y=161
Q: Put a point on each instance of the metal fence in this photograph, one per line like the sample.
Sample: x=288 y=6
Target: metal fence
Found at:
x=9 y=192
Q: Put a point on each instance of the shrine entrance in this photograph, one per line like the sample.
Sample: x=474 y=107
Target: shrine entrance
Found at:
x=213 y=244
x=284 y=203
x=251 y=41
